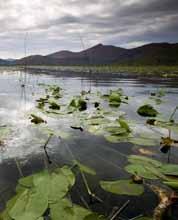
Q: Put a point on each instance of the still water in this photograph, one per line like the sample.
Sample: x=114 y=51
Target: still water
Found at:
x=24 y=142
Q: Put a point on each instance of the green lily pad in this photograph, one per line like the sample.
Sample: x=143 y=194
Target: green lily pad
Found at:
x=84 y=168
x=122 y=187
x=115 y=130
x=116 y=138
x=31 y=204
x=170 y=169
x=142 y=141
x=172 y=184
x=145 y=167
x=114 y=99
x=97 y=121
x=141 y=170
x=65 y=210
x=124 y=124
x=78 y=103
x=147 y=111
x=53 y=105
x=36 y=119
x=59 y=186
x=137 y=159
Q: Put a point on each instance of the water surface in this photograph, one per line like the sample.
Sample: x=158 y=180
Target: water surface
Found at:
x=25 y=141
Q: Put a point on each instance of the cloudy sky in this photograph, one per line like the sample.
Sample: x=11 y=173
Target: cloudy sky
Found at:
x=52 y=25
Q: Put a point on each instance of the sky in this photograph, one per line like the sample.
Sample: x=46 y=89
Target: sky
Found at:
x=47 y=26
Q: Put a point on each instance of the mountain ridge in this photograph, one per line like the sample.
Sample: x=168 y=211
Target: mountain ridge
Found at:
x=149 y=54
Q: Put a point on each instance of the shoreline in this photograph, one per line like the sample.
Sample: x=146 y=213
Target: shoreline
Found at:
x=121 y=71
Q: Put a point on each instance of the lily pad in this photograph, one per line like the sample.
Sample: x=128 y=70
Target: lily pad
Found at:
x=36 y=119
x=122 y=187
x=84 y=168
x=114 y=99
x=142 y=141
x=53 y=105
x=65 y=210
x=170 y=169
x=31 y=204
x=116 y=138
x=172 y=184
x=141 y=170
x=78 y=103
x=116 y=130
x=124 y=124
x=145 y=167
x=147 y=111
x=144 y=160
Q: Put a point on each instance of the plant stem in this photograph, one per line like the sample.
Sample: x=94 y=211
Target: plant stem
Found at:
x=173 y=113
x=18 y=167
x=120 y=210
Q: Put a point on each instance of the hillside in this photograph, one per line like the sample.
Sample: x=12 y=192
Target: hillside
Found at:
x=150 y=54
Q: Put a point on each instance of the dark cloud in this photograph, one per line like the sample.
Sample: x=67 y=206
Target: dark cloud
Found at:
x=57 y=24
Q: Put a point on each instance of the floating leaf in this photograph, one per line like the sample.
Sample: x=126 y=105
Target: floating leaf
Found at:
x=61 y=210
x=5 y=216
x=37 y=119
x=59 y=186
x=115 y=130
x=65 y=210
x=97 y=121
x=115 y=99
x=142 y=141
x=142 y=160
x=172 y=184
x=84 y=168
x=30 y=205
x=67 y=173
x=141 y=170
x=78 y=104
x=116 y=138
x=123 y=124
x=26 y=181
x=147 y=111
x=36 y=192
x=170 y=169
x=53 y=105
x=145 y=167
x=122 y=187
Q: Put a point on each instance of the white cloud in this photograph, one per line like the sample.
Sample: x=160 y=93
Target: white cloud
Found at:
x=56 y=24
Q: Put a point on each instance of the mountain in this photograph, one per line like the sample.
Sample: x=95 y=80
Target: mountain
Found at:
x=3 y=62
x=7 y=62
x=150 y=54
x=99 y=54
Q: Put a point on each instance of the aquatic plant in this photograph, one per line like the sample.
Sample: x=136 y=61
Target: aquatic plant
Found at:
x=86 y=113
x=147 y=111
x=44 y=195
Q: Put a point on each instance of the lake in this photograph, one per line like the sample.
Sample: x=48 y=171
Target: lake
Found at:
x=23 y=141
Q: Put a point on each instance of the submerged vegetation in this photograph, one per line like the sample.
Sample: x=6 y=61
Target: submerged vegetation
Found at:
x=46 y=195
